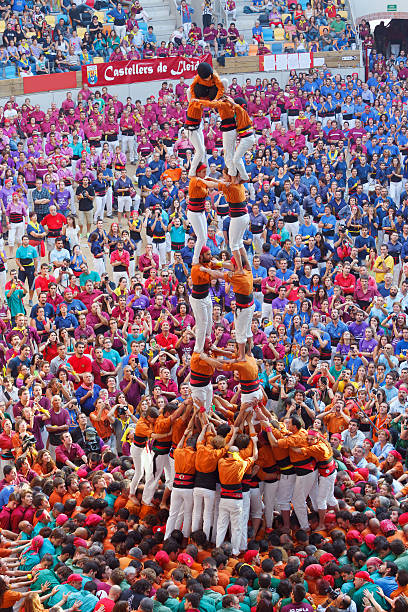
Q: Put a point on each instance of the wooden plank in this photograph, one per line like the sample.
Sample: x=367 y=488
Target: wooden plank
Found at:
x=11 y=87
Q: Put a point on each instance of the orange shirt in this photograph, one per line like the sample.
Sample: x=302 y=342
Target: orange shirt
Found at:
x=201 y=371
x=242 y=283
x=56 y=497
x=199 y=277
x=197 y=193
x=234 y=194
x=335 y=422
x=213 y=81
x=102 y=425
x=207 y=457
x=184 y=460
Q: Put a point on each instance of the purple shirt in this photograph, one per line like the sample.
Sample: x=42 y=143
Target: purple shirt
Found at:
x=72 y=454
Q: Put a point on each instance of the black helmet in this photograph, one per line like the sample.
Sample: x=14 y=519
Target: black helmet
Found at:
x=204 y=70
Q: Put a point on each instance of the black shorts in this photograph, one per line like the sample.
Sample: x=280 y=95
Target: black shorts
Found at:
x=29 y=274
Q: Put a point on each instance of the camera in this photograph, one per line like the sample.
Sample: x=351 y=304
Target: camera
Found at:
x=27 y=442
x=122 y=410
x=333 y=594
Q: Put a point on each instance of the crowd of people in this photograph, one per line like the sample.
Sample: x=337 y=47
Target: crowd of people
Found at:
x=204 y=406
x=32 y=44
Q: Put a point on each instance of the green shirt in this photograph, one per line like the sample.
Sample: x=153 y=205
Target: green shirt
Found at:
x=15 y=302
x=27 y=253
x=93 y=276
x=338 y=26
x=358 y=595
x=43 y=577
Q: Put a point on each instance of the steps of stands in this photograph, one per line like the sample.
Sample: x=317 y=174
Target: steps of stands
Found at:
x=245 y=22
x=161 y=20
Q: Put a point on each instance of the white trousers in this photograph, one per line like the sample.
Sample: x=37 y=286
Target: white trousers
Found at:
x=160 y=249
x=285 y=491
x=181 y=501
x=237 y=227
x=230 y=512
x=128 y=142
x=196 y=137
x=270 y=494
x=118 y=275
x=237 y=161
x=99 y=265
x=124 y=203
x=120 y=31
x=16 y=232
x=257 y=506
x=203 y=395
x=202 y=311
x=112 y=146
x=152 y=479
x=322 y=494
x=293 y=228
x=267 y=311
x=3 y=277
x=200 y=227
x=246 y=508
x=109 y=201
x=303 y=486
x=258 y=242
x=247 y=397
x=243 y=319
x=100 y=202
x=139 y=458
x=229 y=142
x=395 y=190
x=203 y=509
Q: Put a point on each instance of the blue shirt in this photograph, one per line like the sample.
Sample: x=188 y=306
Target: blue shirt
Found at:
x=64 y=322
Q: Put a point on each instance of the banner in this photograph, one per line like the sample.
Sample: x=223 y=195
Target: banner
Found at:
x=286 y=61
x=50 y=82
x=139 y=71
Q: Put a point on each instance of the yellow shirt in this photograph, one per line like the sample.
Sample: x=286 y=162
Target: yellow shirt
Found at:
x=389 y=262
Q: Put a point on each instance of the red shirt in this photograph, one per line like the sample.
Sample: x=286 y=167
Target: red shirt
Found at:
x=42 y=282
x=106 y=365
x=171 y=386
x=166 y=343
x=347 y=284
x=80 y=365
x=54 y=222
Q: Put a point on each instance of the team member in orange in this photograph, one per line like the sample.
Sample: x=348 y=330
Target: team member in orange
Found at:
x=158 y=459
x=138 y=452
x=235 y=196
x=209 y=450
x=200 y=300
x=242 y=283
x=226 y=111
x=197 y=193
x=206 y=84
x=246 y=139
x=231 y=469
x=303 y=463
x=269 y=474
x=322 y=494
x=183 y=485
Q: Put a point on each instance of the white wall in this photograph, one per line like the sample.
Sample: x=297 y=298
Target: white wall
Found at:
x=377 y=9
x=143 y=90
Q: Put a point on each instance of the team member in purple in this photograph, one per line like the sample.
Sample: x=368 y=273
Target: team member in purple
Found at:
x=17 y=214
